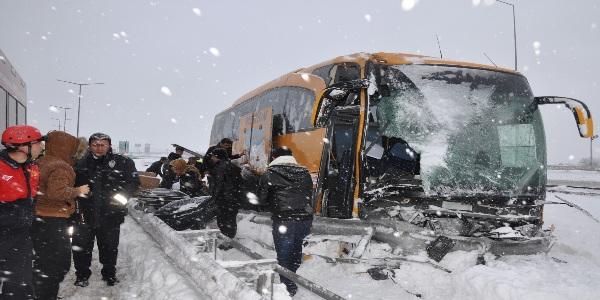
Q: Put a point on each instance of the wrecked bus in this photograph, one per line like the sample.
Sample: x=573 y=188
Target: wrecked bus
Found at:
x=417 y=146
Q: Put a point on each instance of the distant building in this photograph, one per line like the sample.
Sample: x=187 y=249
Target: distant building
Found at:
x=123 y=147
x=146 y=148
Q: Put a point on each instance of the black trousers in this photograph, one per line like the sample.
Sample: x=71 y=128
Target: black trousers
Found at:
x=226 y=220
x=52 y=255
x=107 y=238
x=15 y=263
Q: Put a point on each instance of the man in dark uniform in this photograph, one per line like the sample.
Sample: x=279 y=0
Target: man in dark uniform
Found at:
x=286 y=188
x=113 y=179
x=19 y=178
x=208 y=165
x=225 y=191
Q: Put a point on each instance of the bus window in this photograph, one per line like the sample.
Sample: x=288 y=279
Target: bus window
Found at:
x=3 y=97
x=335 y=73
x=21 y=114
x=12 y=111
x=298 y=109
x=275 y=99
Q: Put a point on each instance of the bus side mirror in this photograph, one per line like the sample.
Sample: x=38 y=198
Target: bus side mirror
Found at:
x=582 y=114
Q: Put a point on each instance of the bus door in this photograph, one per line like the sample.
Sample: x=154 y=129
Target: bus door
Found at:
x=254 y=136
x=338 y=167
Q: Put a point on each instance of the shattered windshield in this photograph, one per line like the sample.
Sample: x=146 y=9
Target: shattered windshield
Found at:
x=462 y=131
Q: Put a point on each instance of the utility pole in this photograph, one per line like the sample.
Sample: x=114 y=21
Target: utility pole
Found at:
x=514 y=28
x=65 y=119
x=79 y=97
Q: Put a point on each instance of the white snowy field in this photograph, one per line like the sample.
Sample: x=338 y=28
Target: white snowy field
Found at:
x=571 y=270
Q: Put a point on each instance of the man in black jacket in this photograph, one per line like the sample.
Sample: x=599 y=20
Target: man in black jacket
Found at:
x=156 y=166
x=112 y=179
x=208 y=165
x=225 y=191
x=286 y=188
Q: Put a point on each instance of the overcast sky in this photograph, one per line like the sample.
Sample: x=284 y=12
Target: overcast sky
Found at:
x=170 y=66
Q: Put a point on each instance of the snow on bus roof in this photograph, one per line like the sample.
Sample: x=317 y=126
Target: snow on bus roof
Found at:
x=361 y=58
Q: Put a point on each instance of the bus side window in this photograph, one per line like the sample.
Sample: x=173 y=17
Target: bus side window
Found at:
x=298 y=108
x=277 y=98
x=3 y=96
x=347 y=72
x=323 y=72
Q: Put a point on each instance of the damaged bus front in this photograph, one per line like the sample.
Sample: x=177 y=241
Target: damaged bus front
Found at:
x=431 y=152
x=452 y=156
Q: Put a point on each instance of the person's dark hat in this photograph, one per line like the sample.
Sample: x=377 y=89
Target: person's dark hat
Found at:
x=226 y=141
x=99 y=136
x=219 y=153
x=173 y=156
x=281 y=151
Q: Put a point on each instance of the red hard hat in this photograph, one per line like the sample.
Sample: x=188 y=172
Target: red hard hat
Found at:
x=20 y=134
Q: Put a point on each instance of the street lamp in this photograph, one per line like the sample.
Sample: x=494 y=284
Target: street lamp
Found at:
x=514 y=28
x=592 y=138
x=79 y=97
x=65 y=120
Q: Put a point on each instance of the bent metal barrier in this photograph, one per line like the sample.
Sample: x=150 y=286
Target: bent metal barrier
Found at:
x=194 y=252
x=209 y=276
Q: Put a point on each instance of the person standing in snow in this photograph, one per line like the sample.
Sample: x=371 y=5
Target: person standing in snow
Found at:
x=225 y=192
x=55 y=204
x=19 y=177
x=208 y=166
x=156 y=166
x=286 y=188
x=113 y=179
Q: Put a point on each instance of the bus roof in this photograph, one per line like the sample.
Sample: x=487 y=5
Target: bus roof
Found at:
x=11 y=81
x=361 y=59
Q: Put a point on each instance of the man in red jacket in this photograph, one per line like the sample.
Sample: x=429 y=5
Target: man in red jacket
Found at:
x=19 y=177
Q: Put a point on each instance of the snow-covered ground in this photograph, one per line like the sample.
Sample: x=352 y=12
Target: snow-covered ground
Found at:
x=578 y=175
x=571 y=270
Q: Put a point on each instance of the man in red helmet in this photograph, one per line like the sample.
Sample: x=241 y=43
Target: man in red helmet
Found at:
x=19 y=177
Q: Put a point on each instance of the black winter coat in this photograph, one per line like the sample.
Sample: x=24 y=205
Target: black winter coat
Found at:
x=107 y=176
x=208 y=165
x=226 y=189
x=155 y=167
x=287 y=190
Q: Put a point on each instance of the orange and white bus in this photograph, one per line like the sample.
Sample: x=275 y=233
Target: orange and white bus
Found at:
x=429 y=141
x=13 y=96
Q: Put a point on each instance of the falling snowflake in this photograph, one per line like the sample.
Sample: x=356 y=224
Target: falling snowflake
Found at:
x=368 y=17
x=252 y=198
x=571 y=157
x=476 y=2
x=214 y=51
x=116 y=35
x=123 y=34
x=173 y=120
x=165 y=90
x=326 y=140
x=305 y=76
x=282 y=229
x=44 y=38
x=408 y=4
x=197 y=11
x=53 y=108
